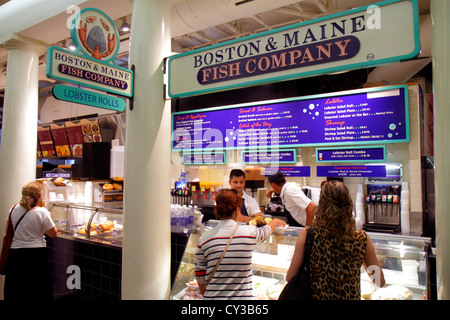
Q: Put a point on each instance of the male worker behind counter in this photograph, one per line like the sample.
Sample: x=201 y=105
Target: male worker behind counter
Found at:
x=300 y=209
x=250 y=207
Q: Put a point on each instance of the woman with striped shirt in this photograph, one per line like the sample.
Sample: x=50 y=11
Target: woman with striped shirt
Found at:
x=233 y=277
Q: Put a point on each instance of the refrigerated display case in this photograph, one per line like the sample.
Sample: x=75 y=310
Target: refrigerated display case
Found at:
x=404 y=261
x=88 y=222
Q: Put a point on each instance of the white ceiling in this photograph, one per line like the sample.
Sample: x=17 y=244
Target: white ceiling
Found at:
x=195 y=23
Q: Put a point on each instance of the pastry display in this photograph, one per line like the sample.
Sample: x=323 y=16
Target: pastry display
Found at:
x=105 y=226
x=60 y=182
x=117 y=186
x=108 y=186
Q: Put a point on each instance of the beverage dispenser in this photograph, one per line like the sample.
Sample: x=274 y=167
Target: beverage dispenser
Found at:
x=383 y=207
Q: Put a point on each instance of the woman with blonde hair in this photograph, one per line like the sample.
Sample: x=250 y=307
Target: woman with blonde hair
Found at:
x=338 y=249
x=27 y=273
x=232 y=279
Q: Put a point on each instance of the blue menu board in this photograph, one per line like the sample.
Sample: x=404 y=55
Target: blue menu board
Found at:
x=363 y=116
x=351 y=154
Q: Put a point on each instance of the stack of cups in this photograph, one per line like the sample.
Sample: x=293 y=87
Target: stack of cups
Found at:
x=404 y=209
x=359 y=208
x=88 y=192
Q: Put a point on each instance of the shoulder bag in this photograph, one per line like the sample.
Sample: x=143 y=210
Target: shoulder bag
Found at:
x=223 y=253
x=299 y=287
x=7 y=240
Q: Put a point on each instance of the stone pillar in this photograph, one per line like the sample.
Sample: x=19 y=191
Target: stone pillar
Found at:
x=20 y=116
x=440 y=51
x=146 y=234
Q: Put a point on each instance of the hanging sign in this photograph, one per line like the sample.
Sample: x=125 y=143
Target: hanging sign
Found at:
x=358 y=38
x=90 y=98
x=95 y=35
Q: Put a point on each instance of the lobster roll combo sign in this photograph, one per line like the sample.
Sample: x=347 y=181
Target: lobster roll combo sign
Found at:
x=91 y=64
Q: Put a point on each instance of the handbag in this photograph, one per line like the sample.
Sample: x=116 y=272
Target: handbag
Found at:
x=223 y=253
x=7 y=240
x=299 y=287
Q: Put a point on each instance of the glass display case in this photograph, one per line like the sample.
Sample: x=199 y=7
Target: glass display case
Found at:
x=88 y=222
x=403 y=260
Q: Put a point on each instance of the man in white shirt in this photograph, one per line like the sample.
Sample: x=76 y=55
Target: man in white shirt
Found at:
x=250 y=207
x=300 y=208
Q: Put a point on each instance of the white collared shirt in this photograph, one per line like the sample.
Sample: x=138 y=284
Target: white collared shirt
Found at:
x=295 y=201
x=251 y=204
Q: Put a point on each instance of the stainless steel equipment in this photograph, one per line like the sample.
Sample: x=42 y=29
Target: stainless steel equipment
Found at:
x=383 y=207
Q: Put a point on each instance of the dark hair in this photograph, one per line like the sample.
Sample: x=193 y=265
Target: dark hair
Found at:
x=31 y=193
x=277 y=178
x=334 y=212
x=227 y=201
x=237 y=173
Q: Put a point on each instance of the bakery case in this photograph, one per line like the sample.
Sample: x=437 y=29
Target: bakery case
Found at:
x=89 y=240
x=404 y=261
x=97 y=222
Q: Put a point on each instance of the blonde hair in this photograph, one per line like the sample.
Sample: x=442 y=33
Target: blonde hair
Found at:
x=334 y=212
x=31 y=193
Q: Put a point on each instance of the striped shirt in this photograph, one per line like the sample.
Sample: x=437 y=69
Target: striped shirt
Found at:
x=233 y=277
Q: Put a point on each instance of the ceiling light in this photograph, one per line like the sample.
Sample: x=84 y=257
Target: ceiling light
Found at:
x=70 y=45
x=125 y=27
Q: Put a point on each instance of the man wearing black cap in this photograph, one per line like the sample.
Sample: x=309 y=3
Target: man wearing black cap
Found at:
x=300 y=209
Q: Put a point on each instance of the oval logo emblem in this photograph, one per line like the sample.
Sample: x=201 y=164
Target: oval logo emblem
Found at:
x=95 y=34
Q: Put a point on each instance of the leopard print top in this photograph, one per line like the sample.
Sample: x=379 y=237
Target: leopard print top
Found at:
x=335 y=267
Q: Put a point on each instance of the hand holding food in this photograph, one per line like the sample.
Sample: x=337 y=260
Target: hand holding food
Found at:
x=259 y=221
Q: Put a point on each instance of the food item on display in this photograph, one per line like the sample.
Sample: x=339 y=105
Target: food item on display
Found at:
x=392 y=292
x=83 y=230
x=117 y=186
x=95 y=229
x=118 y=179
x=105 y=226
x=259 y=221
x=60 y=182
x=267 y=290
x=367 y=288
x=108 y=186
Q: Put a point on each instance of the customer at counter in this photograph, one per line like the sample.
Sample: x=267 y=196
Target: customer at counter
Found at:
x=300 y=209
x=250 y=207
x=338 y=249
x=231 y=277
x=27 y=272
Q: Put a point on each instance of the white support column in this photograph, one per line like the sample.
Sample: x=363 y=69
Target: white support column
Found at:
x=146 y=238
x=20 y=116
x=440 y=50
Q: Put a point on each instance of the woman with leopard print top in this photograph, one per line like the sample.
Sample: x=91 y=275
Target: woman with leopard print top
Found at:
x=338 y=250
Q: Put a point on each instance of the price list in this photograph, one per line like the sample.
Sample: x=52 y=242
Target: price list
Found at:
x=350 y=117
